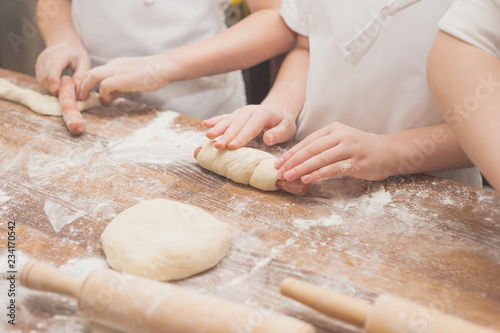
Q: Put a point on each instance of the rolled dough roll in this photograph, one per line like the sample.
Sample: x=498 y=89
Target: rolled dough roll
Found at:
x=40 y=103
x=165 y=240
x=245 y=165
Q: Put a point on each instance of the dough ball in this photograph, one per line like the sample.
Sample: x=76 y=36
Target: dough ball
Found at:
x=243 y=165
x=165 y=240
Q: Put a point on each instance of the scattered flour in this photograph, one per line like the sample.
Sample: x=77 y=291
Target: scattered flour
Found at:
x=304 y=224
x=81 y=267
x=4 y=197
x=274 y=252
x=345 y=167
x=60 y=216
x=367 y=205
x=157 y=143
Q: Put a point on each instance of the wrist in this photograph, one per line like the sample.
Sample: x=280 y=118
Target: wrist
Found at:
x=398 y=162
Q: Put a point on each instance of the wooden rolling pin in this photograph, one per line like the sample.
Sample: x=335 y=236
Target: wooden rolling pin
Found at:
x=134 y=304
x=389 y=314
x=296 y=187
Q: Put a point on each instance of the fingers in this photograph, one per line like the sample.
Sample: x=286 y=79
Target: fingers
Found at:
x=48 y=72
x=318 y=154
x=218 y=129
x=301 y=145
x=283 y=132
x=91 y=79
x=331 y=170
x=82 y=66
x=54 y=59
x=209 y=123
x=109 y=90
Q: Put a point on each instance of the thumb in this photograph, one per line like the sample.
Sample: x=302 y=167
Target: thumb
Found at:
x=284 y=131
x=81 y=68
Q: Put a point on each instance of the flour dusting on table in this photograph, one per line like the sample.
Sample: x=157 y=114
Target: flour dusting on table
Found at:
x=367 y=205
x=59 y=216
x=158 y=142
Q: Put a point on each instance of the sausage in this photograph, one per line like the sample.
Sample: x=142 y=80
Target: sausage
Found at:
x=71 y=115
x=295 y=187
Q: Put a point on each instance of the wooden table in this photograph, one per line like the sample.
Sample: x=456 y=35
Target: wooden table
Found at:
x=433 y=241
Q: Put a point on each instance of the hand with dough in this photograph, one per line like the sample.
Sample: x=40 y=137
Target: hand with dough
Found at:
x=63 y=49
x=240 y=127
x=339 y=150
x=246 y=166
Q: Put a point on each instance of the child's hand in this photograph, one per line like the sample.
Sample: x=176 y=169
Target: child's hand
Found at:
x=335 y=151
x=54 y=59
x=124 y=75
x=241 y=126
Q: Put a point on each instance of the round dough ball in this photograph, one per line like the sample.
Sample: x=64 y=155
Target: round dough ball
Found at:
x=165 y=240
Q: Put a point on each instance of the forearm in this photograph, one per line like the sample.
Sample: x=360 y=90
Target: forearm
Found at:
x=290 y=86
x=422 y=150
x=256 y=38
x=58 y=27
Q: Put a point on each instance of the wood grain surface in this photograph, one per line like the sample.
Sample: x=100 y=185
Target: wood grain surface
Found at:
x=430 y=240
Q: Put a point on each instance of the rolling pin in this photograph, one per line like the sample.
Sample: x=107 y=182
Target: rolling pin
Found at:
x=71 y=114
x=389 y=313
x=133 y=304
x=295 y=187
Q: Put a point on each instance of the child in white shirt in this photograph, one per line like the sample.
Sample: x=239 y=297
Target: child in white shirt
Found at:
x=354 y=90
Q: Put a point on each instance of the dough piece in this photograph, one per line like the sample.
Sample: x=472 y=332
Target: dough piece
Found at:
x=39 y=103
x=243 y=165
x=165 y=240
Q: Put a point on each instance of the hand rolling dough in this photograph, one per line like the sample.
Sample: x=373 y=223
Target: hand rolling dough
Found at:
x=39 y=103
x=165 y=240
x=243 y=165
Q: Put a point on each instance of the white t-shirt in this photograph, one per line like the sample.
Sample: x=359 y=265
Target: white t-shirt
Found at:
x=134 y=28
x=476 y=22
x=367 y=66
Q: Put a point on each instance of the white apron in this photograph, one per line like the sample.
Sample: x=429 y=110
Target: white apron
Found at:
x=367 y=65
x=133 y=28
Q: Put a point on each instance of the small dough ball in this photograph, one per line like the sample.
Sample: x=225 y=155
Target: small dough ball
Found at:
x=165 y=240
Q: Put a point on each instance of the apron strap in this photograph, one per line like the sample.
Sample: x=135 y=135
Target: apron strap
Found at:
x=355 y=49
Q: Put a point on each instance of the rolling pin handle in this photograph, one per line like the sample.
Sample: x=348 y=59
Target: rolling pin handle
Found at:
x=331 y=303
x=38 y=276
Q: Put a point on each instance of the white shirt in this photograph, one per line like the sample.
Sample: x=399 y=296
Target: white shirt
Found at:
x=476 y=22
x=367 y=65
x=134 y=28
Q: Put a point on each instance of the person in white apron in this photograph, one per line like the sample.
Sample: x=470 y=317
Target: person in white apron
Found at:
x=354 y=90
x=138 y=32
x=464 y=76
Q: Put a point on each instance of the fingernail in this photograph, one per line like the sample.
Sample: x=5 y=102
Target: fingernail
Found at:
x=289 y=174
x=234 y=143
x=271 y=139
x=53 y=87
x=306 y=179
x=279 y=162
x=280 y=173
